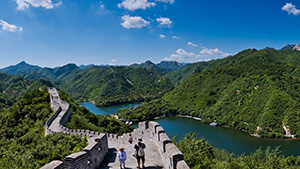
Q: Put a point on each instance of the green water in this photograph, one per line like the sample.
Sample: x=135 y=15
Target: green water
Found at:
x=233 y=141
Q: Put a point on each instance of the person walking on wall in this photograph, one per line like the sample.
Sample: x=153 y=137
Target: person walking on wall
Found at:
x=122 y=157
x=139 y=150
x=130 y=139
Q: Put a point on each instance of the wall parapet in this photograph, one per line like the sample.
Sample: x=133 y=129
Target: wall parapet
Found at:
x=91 y=156
x=170 y=154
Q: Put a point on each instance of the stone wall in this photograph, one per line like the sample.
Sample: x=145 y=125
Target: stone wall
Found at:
x=91 y=156
x=170 y=154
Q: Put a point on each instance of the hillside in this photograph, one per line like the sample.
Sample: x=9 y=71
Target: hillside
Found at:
x=10 y=88
x=114 y=85
x=254 y=91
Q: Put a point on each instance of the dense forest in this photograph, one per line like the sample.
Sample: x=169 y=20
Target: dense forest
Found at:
x=199 y=154
x=114 y=85
x=104 y=85
x=22 y=134
x=254 y=91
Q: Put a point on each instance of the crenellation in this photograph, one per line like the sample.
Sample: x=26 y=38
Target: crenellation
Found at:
x=94 y=153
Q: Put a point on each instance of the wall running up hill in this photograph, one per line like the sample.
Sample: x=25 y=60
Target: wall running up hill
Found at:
x=92 y=155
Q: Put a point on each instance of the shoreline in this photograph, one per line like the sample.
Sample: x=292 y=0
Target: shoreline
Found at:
x=252 y=135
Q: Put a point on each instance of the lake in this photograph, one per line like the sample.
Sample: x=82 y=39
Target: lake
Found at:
x=233 y=141
x=107 y=110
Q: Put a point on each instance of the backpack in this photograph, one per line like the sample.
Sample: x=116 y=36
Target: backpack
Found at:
x=141 y=151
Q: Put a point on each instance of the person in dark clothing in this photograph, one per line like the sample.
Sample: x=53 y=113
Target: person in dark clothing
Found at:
x=130 y=139
x=140 y=153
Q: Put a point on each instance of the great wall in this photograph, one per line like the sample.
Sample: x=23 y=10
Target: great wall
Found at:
x=102 y=147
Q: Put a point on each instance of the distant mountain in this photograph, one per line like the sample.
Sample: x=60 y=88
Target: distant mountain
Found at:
x=36 y=72
x=288 y=47
x=21 y=67
x=170 y=65
x=150 y=65
x=296 y=47
x=269 y=48
x=85 y=66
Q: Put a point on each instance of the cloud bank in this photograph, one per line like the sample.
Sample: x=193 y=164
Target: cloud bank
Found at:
x=189 y=57
x=9 y=27
x=133 y=22
x=133 y=5
x=291 y=9
x=48 y=4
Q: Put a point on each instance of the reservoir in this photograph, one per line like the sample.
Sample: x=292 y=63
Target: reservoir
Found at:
x=233 y=141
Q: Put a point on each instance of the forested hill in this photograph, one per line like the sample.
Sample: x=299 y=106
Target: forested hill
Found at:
x=12 y=88
x=114 y=85
x=255 y=91
x=33 y=73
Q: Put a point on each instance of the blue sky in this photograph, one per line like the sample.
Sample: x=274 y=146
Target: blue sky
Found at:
x=51 y=33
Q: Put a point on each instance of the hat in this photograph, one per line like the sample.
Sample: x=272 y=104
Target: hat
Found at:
x=140 y=139
x=121 y=148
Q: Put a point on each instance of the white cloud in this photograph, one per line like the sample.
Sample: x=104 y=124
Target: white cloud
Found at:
x=162 y=36
x=192 y=44
x=189 y=57
x=9 y=27
x=48 y=4
x=133 y=22
x=164 y=22
x=181 y=56
x=175 y=37
x=166 y=1
x=216 y=53
x=291 y=9
x=114 y=60
x=133 y=5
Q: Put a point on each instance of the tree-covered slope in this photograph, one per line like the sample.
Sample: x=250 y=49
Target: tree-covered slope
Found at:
x=114 y=85
x=10 y=88
x=178 y=76
x=22 y=134
x=255 y=91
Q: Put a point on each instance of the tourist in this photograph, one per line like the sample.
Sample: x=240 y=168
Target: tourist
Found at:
x=140 y=153
x=122 y=157
x=130 y=139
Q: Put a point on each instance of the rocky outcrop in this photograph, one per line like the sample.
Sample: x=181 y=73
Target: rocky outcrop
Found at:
x=296 y=47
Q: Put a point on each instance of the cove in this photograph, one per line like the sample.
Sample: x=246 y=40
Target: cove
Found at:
x=107 y=110
x=233 y=141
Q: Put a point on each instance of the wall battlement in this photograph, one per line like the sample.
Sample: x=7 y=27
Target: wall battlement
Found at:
x=94 y=153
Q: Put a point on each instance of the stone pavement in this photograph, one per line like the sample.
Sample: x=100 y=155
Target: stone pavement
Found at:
x=152 y=156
